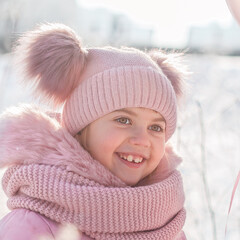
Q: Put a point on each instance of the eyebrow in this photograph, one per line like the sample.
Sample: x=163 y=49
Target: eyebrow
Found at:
x=159 y=119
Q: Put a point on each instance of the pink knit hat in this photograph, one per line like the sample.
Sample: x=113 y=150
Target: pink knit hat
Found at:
x=92 y=82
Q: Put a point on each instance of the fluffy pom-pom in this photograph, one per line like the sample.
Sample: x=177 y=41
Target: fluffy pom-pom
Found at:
x=51 y=59
x=172 y=67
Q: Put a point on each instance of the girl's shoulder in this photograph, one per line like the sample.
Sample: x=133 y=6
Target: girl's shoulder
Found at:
x=23 y=224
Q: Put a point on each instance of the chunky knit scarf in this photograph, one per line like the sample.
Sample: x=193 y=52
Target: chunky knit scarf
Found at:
x=51 y=174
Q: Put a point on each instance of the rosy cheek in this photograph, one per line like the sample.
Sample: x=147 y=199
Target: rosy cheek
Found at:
x=159 y=147
x=111 y=140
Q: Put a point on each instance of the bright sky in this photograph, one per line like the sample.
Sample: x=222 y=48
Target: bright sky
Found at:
x=170 y=18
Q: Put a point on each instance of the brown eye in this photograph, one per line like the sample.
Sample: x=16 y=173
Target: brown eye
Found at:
x=123 y=120
x=155 y=128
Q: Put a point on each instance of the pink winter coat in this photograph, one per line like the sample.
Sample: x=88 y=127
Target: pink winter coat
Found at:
x=23 y=224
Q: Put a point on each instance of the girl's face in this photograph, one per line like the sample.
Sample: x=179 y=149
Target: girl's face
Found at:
x=129 y=142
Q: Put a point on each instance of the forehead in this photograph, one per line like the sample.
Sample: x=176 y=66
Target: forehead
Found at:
x=140 y=110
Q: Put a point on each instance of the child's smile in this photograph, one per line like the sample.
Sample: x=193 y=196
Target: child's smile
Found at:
x=132 y=160
x=129 y=142
x=132 y=157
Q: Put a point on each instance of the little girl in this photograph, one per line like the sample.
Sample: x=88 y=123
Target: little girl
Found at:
x=103 y=163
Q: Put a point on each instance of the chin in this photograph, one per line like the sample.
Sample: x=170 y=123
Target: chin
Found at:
x=130 y=182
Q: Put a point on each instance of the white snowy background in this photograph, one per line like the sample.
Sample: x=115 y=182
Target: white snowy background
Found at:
x=207 y=137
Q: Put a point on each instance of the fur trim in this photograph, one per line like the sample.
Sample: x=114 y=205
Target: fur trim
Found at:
x=30 y=136
x=51 y=59
x=174 y=71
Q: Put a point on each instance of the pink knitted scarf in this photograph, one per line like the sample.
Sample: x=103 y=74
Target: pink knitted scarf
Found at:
x=51 y=174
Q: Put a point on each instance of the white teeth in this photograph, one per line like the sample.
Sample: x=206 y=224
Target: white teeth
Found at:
x=138 y=160
x=130 y=158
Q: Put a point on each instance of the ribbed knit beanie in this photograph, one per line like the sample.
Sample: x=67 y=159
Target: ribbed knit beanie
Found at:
x=92 y=82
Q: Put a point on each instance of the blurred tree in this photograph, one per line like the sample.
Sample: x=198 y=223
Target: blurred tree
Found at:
x=17 y=16
x=9 y=17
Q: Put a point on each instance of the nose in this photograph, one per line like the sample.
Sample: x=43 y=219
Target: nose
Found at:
x=140 y=137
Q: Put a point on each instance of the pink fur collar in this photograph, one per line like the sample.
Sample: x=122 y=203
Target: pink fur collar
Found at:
x=29 y=135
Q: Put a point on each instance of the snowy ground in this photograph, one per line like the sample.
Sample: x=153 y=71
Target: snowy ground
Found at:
x=208 y=138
